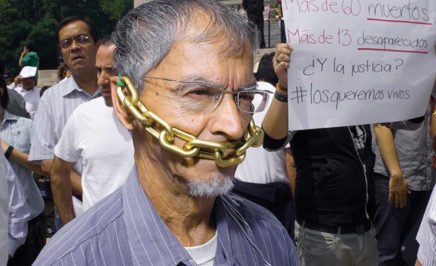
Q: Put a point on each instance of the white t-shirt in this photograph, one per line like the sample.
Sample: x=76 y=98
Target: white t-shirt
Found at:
x=31 y=98
x=261 y=166
x=204 y=255
x=95 y=136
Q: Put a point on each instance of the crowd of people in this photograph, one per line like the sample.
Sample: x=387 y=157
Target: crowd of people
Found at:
x=165 y=144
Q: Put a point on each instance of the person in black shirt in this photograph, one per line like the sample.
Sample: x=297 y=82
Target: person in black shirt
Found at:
x=334 y=193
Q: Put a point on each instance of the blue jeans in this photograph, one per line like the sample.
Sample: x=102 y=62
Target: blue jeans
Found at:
x=325 y=249
x=394 y=225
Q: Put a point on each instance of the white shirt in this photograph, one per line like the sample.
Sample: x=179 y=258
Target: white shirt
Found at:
x=17 y=131
x=261 y=166
x=31 y=97
x=94 y=135
x=426 y=236
x=19 y=212
x=204 y=255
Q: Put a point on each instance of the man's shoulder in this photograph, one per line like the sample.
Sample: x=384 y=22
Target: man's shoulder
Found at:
x=89 y=112
x=91 y=106
x=57 y=90
x=252 y=212
x=18 y=119
x=54 y=96
x=100 y=224
x=249 y=221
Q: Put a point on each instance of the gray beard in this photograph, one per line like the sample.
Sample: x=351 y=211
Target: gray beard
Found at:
x=211 y=188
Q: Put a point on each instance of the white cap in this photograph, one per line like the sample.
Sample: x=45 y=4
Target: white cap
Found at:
x=28 y=72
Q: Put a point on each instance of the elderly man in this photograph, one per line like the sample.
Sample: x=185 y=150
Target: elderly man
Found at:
x=94 y=136
x=190 y=122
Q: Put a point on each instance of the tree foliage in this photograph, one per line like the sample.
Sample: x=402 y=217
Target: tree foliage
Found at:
x=36 y=21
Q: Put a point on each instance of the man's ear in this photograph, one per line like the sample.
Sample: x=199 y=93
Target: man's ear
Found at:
x=123 y=115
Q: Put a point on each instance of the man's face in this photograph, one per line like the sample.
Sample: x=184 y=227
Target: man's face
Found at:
x=104 y=63
x=191 y=62
x=77 y=46
x=28 y=83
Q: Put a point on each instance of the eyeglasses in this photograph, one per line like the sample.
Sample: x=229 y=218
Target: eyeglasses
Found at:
x=81 y=39
x=203 y=96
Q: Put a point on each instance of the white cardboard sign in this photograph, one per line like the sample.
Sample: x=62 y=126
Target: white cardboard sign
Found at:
x=359 y=61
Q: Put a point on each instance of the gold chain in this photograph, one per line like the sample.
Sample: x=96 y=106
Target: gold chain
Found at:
x=225 y=154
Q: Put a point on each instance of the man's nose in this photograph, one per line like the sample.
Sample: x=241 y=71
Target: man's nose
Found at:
x=75 y=45
x=228 y=120
x=102 y=79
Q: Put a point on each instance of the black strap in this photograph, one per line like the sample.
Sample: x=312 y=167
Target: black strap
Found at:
x=8 y=151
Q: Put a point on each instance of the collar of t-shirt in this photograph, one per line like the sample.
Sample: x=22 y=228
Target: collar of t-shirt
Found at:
x=204 y=255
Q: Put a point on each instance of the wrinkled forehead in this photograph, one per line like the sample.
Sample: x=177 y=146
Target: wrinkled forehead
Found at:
x=205 y=50
x=206 y=63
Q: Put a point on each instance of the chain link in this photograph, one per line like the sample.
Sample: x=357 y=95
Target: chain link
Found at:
x=225 y=154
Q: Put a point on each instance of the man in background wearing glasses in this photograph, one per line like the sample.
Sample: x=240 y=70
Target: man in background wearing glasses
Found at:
x=187 y=94
x=77 y=37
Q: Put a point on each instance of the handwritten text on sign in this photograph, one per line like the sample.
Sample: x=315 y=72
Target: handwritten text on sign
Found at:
x=359 y=61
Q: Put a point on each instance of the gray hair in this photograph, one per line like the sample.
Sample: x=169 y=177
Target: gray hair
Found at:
x=145 y=35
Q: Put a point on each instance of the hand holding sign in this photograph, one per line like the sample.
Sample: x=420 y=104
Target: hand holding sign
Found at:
x=359 y=62
x=281 y=63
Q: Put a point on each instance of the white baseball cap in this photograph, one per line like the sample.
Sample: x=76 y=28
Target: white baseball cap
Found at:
x=28 y=72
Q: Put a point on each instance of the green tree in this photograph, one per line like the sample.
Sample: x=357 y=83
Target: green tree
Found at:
x=36 y=20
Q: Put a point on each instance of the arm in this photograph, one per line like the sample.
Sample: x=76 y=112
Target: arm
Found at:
x=75 y=178
x=275 y=123
x=22 y=159
x=45 y=166
x=397 y=184
x=291 y=171
x=23 y=53
x=62 y=189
